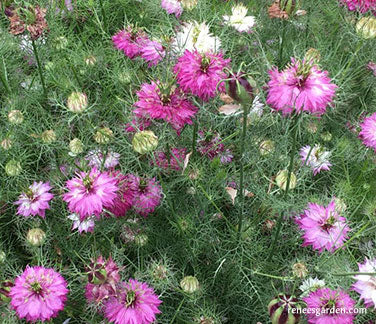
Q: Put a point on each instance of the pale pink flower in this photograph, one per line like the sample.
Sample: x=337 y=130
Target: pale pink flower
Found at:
x=87 y=225
x=366 y=284
x=172 y=7
x=96 y=157
x=317 y=158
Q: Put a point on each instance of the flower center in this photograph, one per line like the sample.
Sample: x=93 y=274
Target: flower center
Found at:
x=329 y=304
x=165 y=98
x=29 y=193
x=36 y=287
x=329 y=223
x=131 y=298
x=142 y=186
x=205 y=63
x=88 y=182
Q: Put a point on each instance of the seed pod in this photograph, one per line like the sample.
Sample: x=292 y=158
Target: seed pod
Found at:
x=240 y=88
x=35 y=236
x=284 y=309
x=144 y=142
x=189 y=284
x=289 y=6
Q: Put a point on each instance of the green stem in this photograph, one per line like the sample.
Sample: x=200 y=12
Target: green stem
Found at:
x=294 y=130
x=271 y=276
x=282 y=42
x=241 y=167
x=194 y=137
x=104 y=16
x=39 y=68
x=4 y=79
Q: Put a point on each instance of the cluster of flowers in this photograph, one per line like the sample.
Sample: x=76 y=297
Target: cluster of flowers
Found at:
x=91 y=194
x=360 y=5
x=39 y=294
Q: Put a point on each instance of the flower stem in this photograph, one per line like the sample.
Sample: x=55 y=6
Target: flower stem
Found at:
x=294 y=131
x=39 y=68
x=4 y=78
x=194 y=137
x=282 y=42
x=103 y=15
x=241 y=167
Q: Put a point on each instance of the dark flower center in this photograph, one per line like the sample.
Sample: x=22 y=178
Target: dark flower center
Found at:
x=131 y=298
x=142 y=186
x=328 y=305
x=205 y=63
x=329 y=223
x=36 y=287
x=88 y=182
x=165 y=98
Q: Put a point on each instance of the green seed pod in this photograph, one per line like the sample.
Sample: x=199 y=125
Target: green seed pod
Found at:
x=284 y=309
x=144 y=142
x=240 y=88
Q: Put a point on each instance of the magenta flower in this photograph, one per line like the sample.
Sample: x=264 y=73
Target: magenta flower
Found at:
x=317 y=159
x=201 y=74
x=130 y=41
x=300 y=87
x=35 y=200
x=152 y=52
x=323 y=228
x=172 y=7
x=366 y=284
x=125 y=195
x=331 y=307
x=134 y=303
x=210 y=144
x=368 y=131
x=38 y=294
x=90 y=192
x=360 y=5
x=86 y=225
x=147 y=194
x=103 y=275
x=167 y=104
x=172 y=162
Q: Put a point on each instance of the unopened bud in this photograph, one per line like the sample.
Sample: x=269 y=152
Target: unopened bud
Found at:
x=144 y=142
x=35 y=236
x=104 y=135
x=189 y=284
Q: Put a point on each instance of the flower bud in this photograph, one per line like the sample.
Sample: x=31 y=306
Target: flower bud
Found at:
x=13 y=168
x=281 y=309
x=141 y=240
x=76 y=147
x=281 y=180
x=5 y=287
x=189 y=284
x=77 y=102
x=266 y=147
x=327 y=137
x=104 y=135
x=144 y=142
x=240 y=88
x=312 y=127
x=61 y=43
x=6 y=143
x=90 y=60
x=340 y=205
x=35 y=236
x=15 y=117
x=48 y=136
x=366 y=27
x=189 y=4
x=299 y=270
x=289 y=6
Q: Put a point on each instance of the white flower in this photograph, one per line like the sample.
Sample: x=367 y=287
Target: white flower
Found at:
x=257 y=108
x=310 y=285
x=239 y=19
x=317 y=158
x=95 y=158
x=87 y=225
x=195 y=36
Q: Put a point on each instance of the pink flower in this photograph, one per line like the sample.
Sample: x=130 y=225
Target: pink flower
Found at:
x=172 y=7
x=372 y=67
x=210 y=144
x=152 y=52
x=38 y=294
x=147 y=194
x=130 y=41
x=317 y=159
x=323 y=228
x=167 y=104
x=368 y=131
x=333 y=307
x=87 y=225
x=134 y=303
x=137 y=124
x=300 y=87
x=201 y=74
x=95 y=158
x=35 y=200
x=172 y=162
x=90 y=192
x=360 y=5
x=125 y=195
x=103 y=275
x=366 y=284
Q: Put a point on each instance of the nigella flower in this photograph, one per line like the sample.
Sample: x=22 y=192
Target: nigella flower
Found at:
x=87 y=225
x=239 y=19
x=35 y=200
x=317 y=158
x=135 y=302
x=95 y=159
x=302 y=86
x=201 y=74
x=210 y=144
x=323 y=228
x=195 y=36
x=38 y=294
x=124 y=198
x=159 y=102
x=171 y=161
x=309 y=285
x=360 y=5
x=103 y=275
x=366 y=284
x=152 y=52
x=90 y=192
x=130 y=41
x=147 y=194
x=331 y=307
x=368 y=131
x=172 y=7
x=372 y=67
